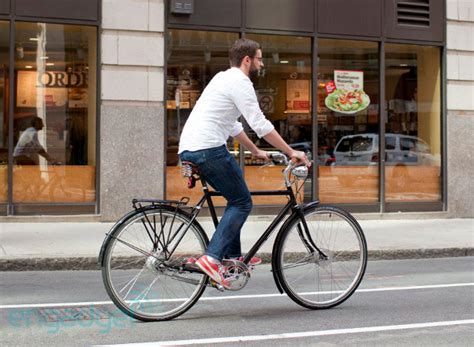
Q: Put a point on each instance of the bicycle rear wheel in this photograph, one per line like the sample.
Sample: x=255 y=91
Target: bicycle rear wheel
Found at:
x=141 y=276
x=319 y=280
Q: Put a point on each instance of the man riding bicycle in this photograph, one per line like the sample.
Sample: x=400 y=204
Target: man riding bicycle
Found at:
x=214 y=118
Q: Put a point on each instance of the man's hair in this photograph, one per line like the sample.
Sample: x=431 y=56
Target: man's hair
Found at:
x=240 y=49
x=35 y=120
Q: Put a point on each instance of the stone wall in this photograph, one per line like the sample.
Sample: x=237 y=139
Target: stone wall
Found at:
x=132 y=111
x=460 y=104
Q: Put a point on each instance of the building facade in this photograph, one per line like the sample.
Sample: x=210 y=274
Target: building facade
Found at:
x=379 y=93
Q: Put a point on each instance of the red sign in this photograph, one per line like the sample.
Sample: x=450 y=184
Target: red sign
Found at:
x=330 y=87
x=300 y=105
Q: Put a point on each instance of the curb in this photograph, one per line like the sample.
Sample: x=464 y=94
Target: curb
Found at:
x=91 y=263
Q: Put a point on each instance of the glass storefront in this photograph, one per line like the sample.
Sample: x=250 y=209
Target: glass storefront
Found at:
x=347 y=114
x=413 y=125
x=4 y=82
x=54 y=115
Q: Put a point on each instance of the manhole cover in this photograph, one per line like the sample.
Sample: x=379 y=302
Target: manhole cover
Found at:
x=74 y=313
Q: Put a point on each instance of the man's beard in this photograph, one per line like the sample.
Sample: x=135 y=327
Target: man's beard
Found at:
x=253 y=73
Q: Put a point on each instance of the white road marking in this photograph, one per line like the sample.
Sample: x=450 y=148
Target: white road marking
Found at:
x=235 y=297
x=300 y=334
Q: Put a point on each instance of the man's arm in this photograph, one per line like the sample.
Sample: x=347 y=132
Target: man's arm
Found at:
x=39 y=148
x=247 y=143
x=45 y=154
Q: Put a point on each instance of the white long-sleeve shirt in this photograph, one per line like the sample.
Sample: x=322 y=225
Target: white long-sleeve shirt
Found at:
x=28 y=145
x=215 y=116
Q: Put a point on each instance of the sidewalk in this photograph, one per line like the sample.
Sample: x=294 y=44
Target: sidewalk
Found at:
x=56 y=246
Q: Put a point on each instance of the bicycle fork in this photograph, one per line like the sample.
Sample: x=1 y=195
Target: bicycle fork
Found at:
x=305 y=236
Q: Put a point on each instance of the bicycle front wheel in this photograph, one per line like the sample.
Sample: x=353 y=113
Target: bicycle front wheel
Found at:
x=142 y=267
x=322 y=265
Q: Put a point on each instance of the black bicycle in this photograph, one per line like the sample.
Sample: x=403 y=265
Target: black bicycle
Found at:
x=319 y=255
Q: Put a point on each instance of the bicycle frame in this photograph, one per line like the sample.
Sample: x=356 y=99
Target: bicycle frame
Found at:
x=292 y=205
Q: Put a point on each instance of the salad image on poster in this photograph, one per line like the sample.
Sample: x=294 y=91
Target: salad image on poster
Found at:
x=348 y=97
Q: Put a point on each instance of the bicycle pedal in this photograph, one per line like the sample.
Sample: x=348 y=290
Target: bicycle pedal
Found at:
x=216 y=285
x=191 y=267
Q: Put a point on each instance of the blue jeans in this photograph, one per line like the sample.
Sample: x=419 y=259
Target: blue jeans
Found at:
x=222 y=172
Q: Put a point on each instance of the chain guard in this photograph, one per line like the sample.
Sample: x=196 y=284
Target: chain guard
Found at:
x=237 y=273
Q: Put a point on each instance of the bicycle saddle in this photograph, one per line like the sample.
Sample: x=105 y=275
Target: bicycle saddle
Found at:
x=191 y=171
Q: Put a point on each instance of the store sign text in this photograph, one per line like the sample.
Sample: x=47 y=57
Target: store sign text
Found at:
x=61 y=79
x=349 y=80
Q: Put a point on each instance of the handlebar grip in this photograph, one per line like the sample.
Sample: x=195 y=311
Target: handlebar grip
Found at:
x=279 y=158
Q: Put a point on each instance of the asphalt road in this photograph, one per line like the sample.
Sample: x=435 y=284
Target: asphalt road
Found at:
x=404 y=302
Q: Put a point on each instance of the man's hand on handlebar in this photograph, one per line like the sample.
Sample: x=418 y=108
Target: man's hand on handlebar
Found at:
x=260 y=154
x=298 y=157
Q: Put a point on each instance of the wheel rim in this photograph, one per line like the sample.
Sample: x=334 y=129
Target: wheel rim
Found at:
x=143 y=285
x=320 y=282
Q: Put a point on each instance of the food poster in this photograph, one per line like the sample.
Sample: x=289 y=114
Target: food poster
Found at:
x=346 y=93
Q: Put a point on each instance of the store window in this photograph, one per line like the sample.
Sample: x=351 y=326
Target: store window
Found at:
x=348 y=121
x=54 y=113
x=413 y=134
x=4 y=81
x=284 y=92
x=194 y=57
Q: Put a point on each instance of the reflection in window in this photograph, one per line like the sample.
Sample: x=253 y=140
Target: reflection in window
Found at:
x=390 y=142
x=348 y=109
x=4 y=66
x=194 y=57
x=413 y=94
x=54 y=113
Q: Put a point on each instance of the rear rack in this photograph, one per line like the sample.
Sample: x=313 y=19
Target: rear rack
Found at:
x=140 y=203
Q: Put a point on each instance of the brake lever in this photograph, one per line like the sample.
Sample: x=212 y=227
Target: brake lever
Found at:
x=268 y=164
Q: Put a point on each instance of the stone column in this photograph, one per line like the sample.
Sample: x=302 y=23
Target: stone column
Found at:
x=460 y=104
x=132 y=110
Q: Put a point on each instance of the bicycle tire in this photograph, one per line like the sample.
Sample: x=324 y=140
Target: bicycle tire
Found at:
x=164 y=297
x=307 y=279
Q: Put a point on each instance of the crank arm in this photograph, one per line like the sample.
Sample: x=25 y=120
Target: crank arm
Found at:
x=210 y=282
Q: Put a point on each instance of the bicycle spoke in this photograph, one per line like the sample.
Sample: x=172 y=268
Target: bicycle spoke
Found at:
x=143 y=294
x=131 y=283
x=134 y=248
x=301 y=262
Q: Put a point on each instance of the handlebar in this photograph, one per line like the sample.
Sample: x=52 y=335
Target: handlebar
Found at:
x=279 y=158
x=299 y=171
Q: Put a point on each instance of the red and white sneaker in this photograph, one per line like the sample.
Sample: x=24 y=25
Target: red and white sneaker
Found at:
x=214 y=271
x=191 y=260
